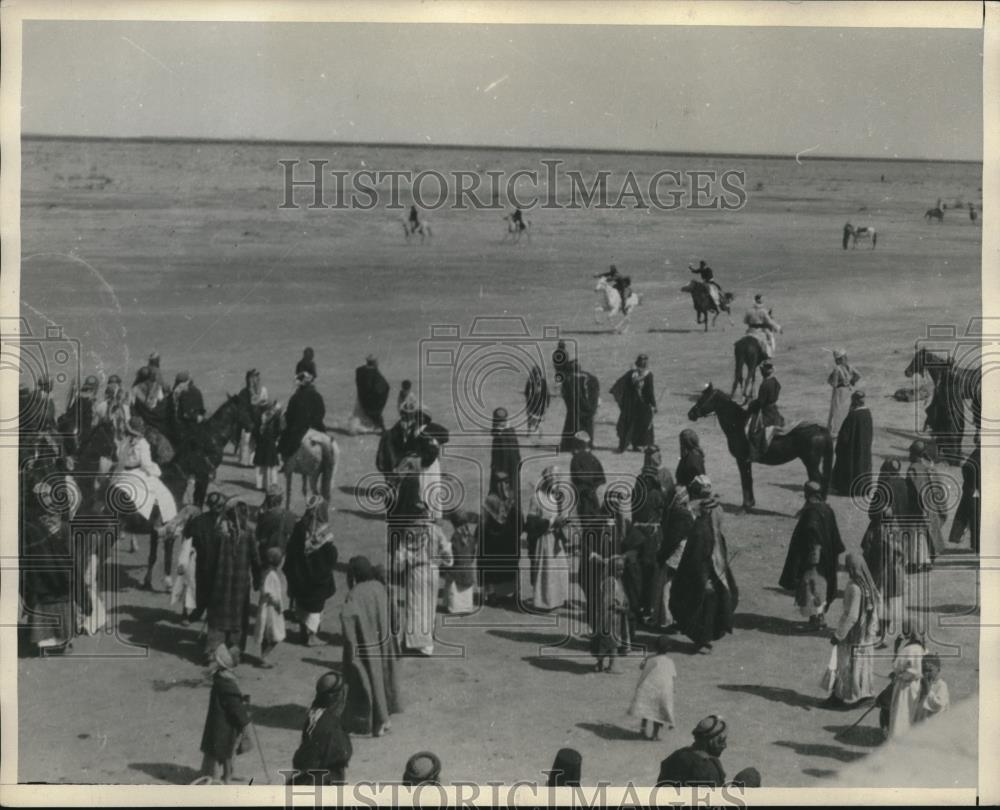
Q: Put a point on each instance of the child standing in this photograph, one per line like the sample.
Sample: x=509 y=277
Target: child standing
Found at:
x=808 y=596
x=933 y=690
x=270 y=629
x=461 y=579
x=653 y=702
x=265 y=457
x=226 y=720
x=612 y=634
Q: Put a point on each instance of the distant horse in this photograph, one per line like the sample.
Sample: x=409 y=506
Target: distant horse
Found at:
x=860 y=233
x=810 y=443
x=703 y=302
x=952 y=386
x=316 y=461
x=748 y=354
x=610 y=303
x=424 y=229
x=514 y=231
x=934 y=213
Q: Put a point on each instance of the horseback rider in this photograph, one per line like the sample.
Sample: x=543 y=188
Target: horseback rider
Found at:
x=761 y=325
x=114 y=410
x=517 y=220
x=764 y=411
x=610 y=275
x=305 y=412
x=848 y=232
x=708 y=279
x=414 y=219
x=189 y=407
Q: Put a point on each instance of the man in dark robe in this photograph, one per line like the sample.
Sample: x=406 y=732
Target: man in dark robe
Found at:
x=505 y=454
x=692 y=460
x=305 y=411
x=274 y=522
x=816 y=526
x=325 y=746
x=946 y=418
x=586 y=474
x=636 y=398
x=967 y=515
x=502 y=526
x=189 y=406
x=401 y=439
x=854 y=447
x=202 y=531
x=373 y=391
x=307 y=363
x=704 y=596
x=51 y=571
x=309 y=564
x=697 y=765
x=580 y=392
x=764 y=411
x=644 y=537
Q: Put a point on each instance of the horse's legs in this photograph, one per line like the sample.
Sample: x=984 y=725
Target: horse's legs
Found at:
x=746 y=483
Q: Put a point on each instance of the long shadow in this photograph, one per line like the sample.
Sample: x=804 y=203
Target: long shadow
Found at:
x=734 y=508
x=777 y=694
x=819 y=773
x=821 y=750
x=160 y=685
x=289 y=716
x=561 y=664
x=607 y=731
x=671 y=331
x=243 y=485
x=607 y=331
x=861 y=736
x=334 y=666
x=774 y=625
x=166 y=772
x=541 y=639
x=145 y=628
x=363 y=514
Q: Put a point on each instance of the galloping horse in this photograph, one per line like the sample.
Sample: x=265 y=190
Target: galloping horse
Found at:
x=810 y=443
x=610 y=303
x=749 y=354
x=316 y=461
x=860 y=233
x=952 y=386
x=513 y=232
x=424 y=229
x=934 y=213
x=703 y=302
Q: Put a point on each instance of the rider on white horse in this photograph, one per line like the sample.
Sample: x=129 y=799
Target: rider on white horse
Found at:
x=708 y=277
x=761 y=325
x=622 y=284
x=139 y=475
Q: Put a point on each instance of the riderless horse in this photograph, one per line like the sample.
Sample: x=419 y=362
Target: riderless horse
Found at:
x=861 y=233
x=934 y=213
x=808 y=442
x=704 y=304
x=610 y=303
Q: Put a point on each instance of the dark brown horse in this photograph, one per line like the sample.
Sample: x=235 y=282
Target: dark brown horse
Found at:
x=952 y=386
x=749 y=355
x=810 y=443
x=704 y=304
x=934 y=213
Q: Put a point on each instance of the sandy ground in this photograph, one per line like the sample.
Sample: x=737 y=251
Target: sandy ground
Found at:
x=184 y=252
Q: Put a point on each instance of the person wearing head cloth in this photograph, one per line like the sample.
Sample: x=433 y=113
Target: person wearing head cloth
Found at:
x=501 y=548
x=841 y=380
x=307 y=363
x=581 y=393
x=325 y=745
x=310 y=559
x=536 y=398
x=586 y=474
x=761 y=326
x=423 y=768
x=653 y=701
x=505 y=453
x=855 y=637
x=275 y=523
x=764 y=411
x=814 y=550
x=635 y=396
x=698 y=764
x=678 y=522
x=269 y=631
x=923 y=512
x=566 y=768
x=148 y=387
x=227 y=717
x=548 y=540
x=47 y=582
x=229 y=570
x=460 y=588
x=644 y=536
x=202 y=530
x=266 y=435
x=613 y=629
x=399 y=446
x=304 y=416
x=113 y=412
x=882 y=543
x=907 y=672
x=252 y=400
x=704 y=596
x=189 y=406
x=371 y=652
x=692 y=458
x=372 y=391
x=852 y=469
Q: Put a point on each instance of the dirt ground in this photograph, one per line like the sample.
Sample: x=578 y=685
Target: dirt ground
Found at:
x=185 y=252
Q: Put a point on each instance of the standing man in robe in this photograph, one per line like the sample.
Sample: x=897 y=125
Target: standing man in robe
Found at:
x=505 y=454
x=854 y=447
x=373 y=393
x=581 y=393
x=764 y=411
x=636 y=397
x=842 y=380
x=501 y=547
x=586 y=473
x=305 y=412
x=307 y=363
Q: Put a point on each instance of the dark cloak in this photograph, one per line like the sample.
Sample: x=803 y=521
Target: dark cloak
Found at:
x=854 y=451
x=636 y=400
x=305 y=410
x=580 y=392
x=817 y=526
x=373 y=392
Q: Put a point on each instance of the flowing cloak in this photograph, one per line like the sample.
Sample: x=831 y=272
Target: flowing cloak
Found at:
x=704 y=596
x=424 y=550
x=270 y=625
x=854 y=451
x=370 y=658
x=305 y=411
x=856 y=634
x=923 y=491
x=231 y=570
x=227 y=717
x=636 y=398
x=325 y=746
x=586 y=474
x=841 y=380
x=817 y=526
x=906 y=688
x=691 y=465
x=505 y=456
x=654 y=694
x=373 y=392
x=202 y=531
x=274 y=528
x=641 y=545
x=549 y=558
x=536 y=395
x=690 y=767
x=309 y=572
x=397 y=443
x=581 y=392
x=47 y=567
x=501 y=547
x=135 y=459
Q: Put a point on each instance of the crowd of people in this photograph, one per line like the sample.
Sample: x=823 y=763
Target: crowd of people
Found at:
x=649 y=558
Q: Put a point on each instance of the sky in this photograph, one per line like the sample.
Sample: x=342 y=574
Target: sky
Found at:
x=849 y=92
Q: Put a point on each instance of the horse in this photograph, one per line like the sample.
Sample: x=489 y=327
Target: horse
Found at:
x=860 y=233
x=316 y=461
x=934 y=213
x=610 y=302
x=514 y=233
x=811 y=443
x=961 y=383
x=703 y=302
x=750 y=354
x=423 y=228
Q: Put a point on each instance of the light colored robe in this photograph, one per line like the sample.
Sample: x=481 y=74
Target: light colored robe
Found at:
x=906 y=688
x=842 y=380
x=856 y=634
x=139 y=475
x=182 y=590
x=419 y=556
x=551 y=583
x=270 y=626
x=654 y=694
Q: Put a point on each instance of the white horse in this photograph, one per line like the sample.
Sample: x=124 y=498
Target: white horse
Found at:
x=513 y=232
x=315 y=459
x=861 y=233
x=609 y=302
x=424 y=229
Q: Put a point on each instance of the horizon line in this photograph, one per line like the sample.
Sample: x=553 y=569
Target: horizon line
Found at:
x=41 y=136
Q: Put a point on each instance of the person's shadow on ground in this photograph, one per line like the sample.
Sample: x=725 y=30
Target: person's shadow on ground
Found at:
x=166 y=772
x=778 y=694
